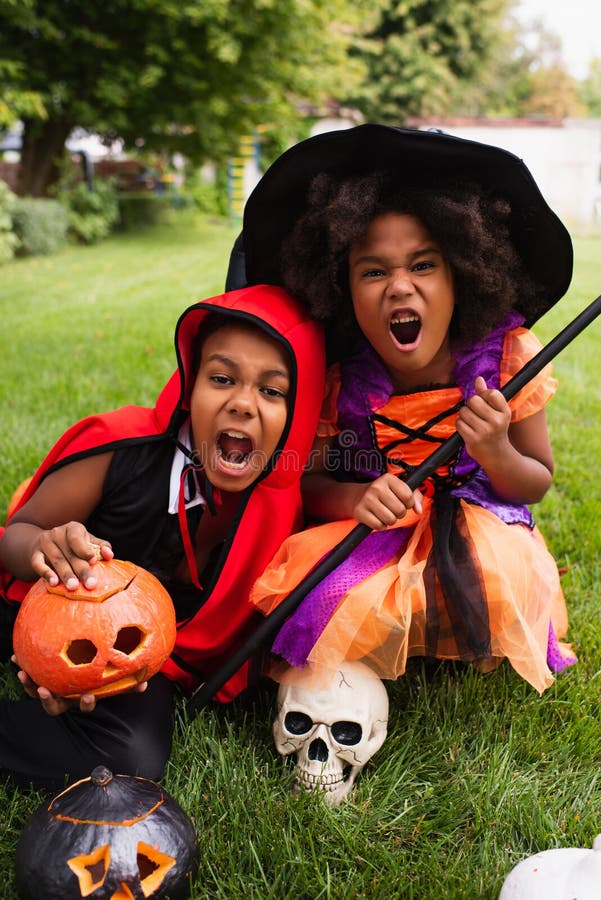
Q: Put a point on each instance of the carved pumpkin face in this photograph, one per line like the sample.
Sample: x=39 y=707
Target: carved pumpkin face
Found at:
x=102 y=641
x=108 y=838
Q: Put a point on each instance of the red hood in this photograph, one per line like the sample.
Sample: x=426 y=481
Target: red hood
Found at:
x=270 y=508
x=275 y=312
x=272 y=309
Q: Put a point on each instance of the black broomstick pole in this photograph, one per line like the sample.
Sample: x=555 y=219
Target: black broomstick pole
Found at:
x=271 y=624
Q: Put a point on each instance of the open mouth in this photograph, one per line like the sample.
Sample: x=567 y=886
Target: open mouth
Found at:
x=405 y=328
x=126 y=683
x=234 y=449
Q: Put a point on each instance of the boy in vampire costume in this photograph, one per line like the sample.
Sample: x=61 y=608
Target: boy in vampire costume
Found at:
x=155 y=487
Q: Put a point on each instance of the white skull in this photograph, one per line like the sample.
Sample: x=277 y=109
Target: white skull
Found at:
x=334 y=729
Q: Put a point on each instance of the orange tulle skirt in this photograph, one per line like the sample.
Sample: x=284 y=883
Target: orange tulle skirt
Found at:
x=383 y=619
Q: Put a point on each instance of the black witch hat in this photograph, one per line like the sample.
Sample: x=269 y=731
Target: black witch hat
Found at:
x=418 y=156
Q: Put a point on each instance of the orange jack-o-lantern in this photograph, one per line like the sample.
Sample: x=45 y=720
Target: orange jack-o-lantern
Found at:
x=101 y=641
x=108 y=838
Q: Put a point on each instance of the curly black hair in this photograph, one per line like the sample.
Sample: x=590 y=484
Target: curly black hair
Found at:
x=471 y=227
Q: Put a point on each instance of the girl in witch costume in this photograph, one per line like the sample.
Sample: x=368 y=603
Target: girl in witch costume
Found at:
x=200 y=490
x=431 y=256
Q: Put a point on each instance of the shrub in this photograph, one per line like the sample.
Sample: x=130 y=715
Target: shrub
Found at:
x=92 y=212
x=208 y=195
x=8 y=239
x=137 y=210
x=40 y=225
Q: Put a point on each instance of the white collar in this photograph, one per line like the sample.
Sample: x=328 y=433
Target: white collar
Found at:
x=180 y=460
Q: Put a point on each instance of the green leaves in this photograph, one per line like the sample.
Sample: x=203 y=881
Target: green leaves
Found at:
x=419 y=51
x=191 y=76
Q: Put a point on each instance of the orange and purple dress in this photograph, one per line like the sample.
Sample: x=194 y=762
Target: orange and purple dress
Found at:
x=469 y=579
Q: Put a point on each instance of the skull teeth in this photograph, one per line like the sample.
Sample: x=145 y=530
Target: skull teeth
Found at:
x=325 y=781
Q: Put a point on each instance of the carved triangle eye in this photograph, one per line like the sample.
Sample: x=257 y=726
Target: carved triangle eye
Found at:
x=153 y=867
x=91 y=868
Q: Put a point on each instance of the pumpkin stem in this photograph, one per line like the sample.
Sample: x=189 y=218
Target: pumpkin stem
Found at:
x=101 y=776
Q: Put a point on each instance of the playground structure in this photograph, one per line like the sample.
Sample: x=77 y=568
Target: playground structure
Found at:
x=243 y=173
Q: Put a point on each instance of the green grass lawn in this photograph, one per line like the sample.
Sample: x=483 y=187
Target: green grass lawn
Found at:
x=477 y=771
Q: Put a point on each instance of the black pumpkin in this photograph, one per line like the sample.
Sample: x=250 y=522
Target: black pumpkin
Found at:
x=108 y=838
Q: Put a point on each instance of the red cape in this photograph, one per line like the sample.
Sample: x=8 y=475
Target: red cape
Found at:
x=272 y=508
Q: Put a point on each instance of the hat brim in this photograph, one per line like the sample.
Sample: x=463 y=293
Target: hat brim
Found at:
x=280 y=196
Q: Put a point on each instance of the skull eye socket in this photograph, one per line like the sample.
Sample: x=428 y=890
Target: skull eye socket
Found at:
x=298 y=722
x=348 y=733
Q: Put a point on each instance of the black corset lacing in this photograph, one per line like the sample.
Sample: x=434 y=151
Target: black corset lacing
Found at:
x=453 y=562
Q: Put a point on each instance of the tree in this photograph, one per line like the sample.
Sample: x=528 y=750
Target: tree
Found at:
x=419 y=51
x=187 y=75
x=553 y=93
x=524 y=76
x=590 y=89
x=503 y=83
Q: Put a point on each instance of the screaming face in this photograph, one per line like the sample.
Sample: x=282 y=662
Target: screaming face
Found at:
x=403 y=298
x=239 y=404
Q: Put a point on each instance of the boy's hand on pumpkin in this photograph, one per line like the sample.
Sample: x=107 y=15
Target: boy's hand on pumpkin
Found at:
x=52 y=704
x=67 y=554
x=55 y=705
x=384 y=501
